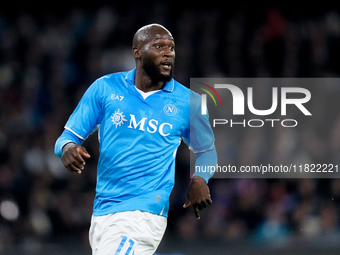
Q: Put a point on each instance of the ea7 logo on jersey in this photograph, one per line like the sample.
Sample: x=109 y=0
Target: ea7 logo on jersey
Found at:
x=151 y=126
x=116 y=97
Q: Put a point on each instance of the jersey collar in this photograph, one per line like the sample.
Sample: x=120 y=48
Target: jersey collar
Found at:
x=130 y=78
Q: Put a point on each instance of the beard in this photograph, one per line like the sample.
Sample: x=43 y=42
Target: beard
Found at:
x=154 y=72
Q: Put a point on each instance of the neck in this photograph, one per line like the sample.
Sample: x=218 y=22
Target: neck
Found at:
x=145 y=83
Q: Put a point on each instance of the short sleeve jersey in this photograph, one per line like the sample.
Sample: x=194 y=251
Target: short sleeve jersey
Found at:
x=138 y=140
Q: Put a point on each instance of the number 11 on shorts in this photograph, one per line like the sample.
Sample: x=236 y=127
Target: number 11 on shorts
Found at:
x=122 y=243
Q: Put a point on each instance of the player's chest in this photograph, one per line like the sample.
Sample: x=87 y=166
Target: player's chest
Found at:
x=160 y=113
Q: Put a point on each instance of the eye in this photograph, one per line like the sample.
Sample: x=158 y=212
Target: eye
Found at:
x=172 y=48
x=158 y=46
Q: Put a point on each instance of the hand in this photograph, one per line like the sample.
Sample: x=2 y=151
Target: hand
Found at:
x=198 y=195
x=72 y=157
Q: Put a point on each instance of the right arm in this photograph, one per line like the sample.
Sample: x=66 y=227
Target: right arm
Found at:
x=68 y=147
x=83 y=121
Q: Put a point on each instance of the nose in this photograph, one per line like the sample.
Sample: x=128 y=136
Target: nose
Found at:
x=167 y=52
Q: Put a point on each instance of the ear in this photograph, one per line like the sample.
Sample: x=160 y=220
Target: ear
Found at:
x=136 y=52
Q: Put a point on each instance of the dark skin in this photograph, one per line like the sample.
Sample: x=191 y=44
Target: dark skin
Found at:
x=154 y=53
x=153 y=44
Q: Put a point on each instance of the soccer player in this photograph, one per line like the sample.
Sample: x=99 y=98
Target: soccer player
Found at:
x=141 y=116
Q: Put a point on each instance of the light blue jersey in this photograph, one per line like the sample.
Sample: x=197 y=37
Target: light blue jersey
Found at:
x=138 y=140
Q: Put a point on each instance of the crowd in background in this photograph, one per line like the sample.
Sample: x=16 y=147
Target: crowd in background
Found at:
x=49 y=58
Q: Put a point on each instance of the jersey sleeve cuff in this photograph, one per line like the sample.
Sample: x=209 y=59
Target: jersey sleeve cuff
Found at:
x=204 y=160
x=66 y=137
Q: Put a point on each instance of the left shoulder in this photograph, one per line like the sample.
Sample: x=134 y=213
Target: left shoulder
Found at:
x=180 y=88
x=186 y=93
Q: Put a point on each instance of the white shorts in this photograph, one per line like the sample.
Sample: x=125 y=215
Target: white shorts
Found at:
x=126 y=233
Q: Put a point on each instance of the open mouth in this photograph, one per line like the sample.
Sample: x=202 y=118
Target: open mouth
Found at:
x=166 y=65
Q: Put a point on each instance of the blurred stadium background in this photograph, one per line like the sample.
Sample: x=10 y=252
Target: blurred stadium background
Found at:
x=50 y=54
